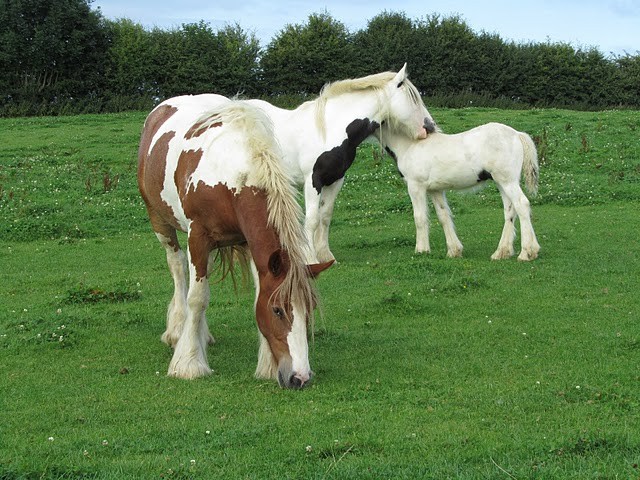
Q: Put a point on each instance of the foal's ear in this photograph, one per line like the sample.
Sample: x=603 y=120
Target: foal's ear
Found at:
x=278 y=263
x=317 y=268
x=401 y=76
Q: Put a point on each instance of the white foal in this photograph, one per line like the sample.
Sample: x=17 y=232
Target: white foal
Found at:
x=464 y=161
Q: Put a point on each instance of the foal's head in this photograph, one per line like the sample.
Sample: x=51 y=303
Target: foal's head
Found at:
x=284 y=309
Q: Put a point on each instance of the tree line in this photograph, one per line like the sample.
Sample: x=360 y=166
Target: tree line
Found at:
x=62 y=56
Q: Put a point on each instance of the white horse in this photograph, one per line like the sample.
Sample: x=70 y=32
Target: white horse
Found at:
x=319 y=138
x=464 y=161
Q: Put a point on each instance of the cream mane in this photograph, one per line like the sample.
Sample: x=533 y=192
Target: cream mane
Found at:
x=266 y=172
x=376 y=83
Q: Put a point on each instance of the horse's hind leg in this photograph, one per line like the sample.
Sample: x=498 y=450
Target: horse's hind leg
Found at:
x=505 y=246
x=529 y=243
x=520 y=207
x=177 y=262
x=418 y=195
x=454 y=246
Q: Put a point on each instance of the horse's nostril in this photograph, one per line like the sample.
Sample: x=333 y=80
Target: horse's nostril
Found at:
x=295 y=382
x=429 y=126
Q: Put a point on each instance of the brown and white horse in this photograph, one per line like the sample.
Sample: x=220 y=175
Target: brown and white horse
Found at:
x=217 y=175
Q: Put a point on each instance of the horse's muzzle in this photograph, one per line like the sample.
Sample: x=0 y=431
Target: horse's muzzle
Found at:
x=294 y=381
x=430 y=125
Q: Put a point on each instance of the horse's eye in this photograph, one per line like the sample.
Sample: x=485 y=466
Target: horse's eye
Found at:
x=401 y=83
x=278 y=312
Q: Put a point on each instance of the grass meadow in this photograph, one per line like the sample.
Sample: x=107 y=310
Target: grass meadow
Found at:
x=426 y=367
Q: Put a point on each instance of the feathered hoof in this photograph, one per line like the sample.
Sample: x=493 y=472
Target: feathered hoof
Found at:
x=527 y=256
x=502 y=254
x=188 y=370
x=170 y=338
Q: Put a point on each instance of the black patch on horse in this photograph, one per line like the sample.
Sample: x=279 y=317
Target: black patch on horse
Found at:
x=393 y=155
x=483 y=176
x=333 y=164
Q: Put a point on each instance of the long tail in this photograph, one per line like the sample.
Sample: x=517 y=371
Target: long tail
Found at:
x=530 y=165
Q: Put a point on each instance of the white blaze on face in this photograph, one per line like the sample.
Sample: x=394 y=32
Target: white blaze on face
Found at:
x=298 y=345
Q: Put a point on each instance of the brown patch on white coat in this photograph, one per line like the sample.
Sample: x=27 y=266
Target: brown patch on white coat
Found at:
x=230 y=219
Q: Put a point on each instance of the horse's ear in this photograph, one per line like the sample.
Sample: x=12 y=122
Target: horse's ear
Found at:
x=401 y=76
x=278 y=263
x=373 y=126
x=317 y=268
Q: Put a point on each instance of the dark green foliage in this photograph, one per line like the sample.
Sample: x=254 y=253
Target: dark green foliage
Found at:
x=51 y=53
x=302 y=58
x=62 y=57
x=386 y=44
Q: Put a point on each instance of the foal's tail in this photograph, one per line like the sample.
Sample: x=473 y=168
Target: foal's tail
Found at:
x=530 y=163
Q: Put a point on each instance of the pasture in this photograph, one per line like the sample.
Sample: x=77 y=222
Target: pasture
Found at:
x=426 y=366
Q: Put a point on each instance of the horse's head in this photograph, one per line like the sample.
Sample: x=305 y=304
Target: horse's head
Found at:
x=405 y=111
x=284 y=308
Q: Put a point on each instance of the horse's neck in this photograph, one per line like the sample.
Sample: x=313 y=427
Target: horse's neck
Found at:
x=342 y=110
x=251 y=210
x=396 y=142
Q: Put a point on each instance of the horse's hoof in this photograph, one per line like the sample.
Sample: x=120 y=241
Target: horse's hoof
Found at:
x=527 y=256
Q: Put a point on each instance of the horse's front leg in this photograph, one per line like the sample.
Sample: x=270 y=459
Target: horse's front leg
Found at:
x=190 y=356
x=418 y=195
x=454 y=246
x=325 y=211
x=311 y=217
x=267 y=367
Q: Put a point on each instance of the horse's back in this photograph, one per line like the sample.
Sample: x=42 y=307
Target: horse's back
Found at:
x=197 y=140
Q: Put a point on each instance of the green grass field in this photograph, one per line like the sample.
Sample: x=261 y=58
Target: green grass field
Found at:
x=426 y=367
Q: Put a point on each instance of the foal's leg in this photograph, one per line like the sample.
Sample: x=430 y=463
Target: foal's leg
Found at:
x=177 y=310
x=505 y=246
x=529 y=243
x=327 y=202
x=267 y=367
x=454 y=246
x=418 y=195
x=190 y=358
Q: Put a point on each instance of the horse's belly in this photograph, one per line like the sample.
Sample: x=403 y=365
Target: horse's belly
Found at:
x=449 y=176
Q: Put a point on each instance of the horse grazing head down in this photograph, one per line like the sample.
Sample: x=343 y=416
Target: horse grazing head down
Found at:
x=284 y=310
x=211 y=166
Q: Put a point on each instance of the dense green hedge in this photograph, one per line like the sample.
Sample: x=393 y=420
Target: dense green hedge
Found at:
x=60 y=56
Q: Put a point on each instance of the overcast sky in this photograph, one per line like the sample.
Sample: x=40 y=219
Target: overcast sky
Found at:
x=612 y=26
